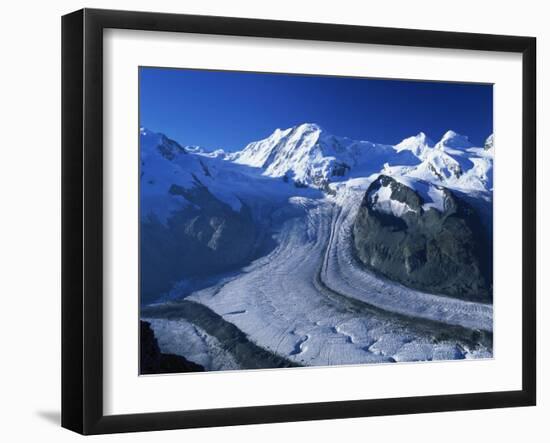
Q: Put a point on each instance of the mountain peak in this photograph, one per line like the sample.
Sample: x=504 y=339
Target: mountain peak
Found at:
x=489 y=143
x=308 y=127
x=144 y=131
x=452 y=139
x=423 y=138
x=450 y=134
x=416 y=144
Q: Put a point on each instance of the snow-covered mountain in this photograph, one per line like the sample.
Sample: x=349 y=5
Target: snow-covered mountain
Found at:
x=164 y=163
x=188 y=215
x=305 y=156
x=489 y=143
x=199 y=211
x=451 y=140
x=455 y=163
x=309 y=155
x=417 y=144
x=256 y=238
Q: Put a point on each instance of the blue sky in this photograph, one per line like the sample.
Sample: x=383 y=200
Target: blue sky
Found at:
x=223 y=109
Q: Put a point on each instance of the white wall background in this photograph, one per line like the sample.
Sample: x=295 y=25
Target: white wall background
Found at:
x=30 y=218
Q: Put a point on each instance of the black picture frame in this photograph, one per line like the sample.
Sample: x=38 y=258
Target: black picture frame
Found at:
x=82 y=218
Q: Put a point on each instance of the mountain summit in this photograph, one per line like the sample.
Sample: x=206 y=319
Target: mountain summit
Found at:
x=416 y=144
x=451 y=139
x=311 y=156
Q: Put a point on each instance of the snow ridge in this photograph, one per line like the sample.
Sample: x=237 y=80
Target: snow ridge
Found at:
x=311 y=156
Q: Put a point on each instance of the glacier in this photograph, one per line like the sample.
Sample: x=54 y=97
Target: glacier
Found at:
x=305 y=298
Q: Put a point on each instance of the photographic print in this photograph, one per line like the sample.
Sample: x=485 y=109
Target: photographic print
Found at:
x=292 y=220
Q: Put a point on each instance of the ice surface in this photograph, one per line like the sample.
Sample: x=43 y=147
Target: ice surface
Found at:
x=298 y=300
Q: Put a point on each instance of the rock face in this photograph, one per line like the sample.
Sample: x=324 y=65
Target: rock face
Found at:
x=152 y=361
x=431 y=240
x=206 y=237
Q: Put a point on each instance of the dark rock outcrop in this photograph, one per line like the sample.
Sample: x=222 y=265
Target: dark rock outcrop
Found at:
x=152 y=361
x=445 y=252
